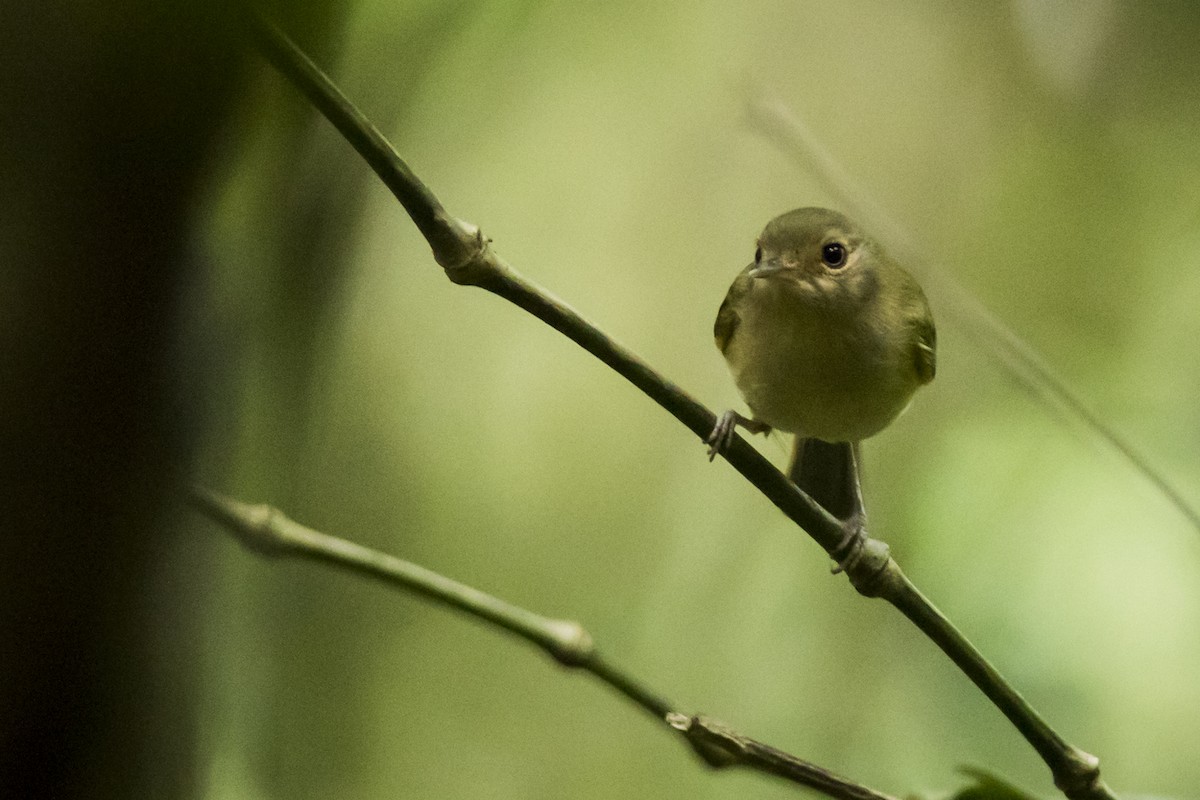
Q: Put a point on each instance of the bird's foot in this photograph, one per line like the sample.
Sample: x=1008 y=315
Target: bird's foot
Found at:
x=854 y=536
x=726 y=428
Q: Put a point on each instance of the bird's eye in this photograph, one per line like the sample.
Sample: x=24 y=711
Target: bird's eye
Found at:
x=834 y=255
x=757 y=255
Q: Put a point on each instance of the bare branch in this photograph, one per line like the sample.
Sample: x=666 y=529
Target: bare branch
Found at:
x=468 y=258
x=454 y=243
x=268 y=532
x=722 y=747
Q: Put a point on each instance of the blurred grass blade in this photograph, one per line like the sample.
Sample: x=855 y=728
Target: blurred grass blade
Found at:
x=775 y=120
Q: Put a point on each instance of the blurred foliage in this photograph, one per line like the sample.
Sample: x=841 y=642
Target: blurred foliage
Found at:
x=1048 y=153
x=985 y=786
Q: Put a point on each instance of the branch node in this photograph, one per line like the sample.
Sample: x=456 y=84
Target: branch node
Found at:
x=870 y=568
x=1079 y=774
x=572 y=645
x=716 y=745
x=255 y=526
x=464 y=252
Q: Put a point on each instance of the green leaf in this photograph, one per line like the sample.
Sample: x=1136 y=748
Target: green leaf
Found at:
x=987 y=786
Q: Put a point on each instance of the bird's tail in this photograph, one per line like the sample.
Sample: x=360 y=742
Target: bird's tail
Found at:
x=828 y=473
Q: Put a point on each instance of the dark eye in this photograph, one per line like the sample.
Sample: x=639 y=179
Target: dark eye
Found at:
x=757 y=254
x=834 y=255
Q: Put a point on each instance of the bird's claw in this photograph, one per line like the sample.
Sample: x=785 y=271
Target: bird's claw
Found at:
x=726 y=428
x=722 y=434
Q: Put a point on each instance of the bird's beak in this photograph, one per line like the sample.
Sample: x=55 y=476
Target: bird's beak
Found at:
x=765 y=269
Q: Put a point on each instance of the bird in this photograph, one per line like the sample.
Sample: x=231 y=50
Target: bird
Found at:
x=826 y=338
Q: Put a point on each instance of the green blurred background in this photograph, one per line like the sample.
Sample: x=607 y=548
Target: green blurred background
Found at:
x=320 y=361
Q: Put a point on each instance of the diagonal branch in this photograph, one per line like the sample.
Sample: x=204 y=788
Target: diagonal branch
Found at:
x=468 y=259
x=729 y=748
x=266 y=531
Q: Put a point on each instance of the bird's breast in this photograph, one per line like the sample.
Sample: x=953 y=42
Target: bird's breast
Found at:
x=817 y=370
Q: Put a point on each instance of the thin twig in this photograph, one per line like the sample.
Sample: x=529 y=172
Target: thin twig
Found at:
x=267 y=531
x=468 y=259
x=726 y=747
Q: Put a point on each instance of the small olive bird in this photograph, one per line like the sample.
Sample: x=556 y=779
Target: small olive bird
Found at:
x=827 y=338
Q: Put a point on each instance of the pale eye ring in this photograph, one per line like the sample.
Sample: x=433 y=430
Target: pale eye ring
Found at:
x=833 y=255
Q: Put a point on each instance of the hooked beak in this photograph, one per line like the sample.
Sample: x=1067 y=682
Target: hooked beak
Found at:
x=765 y=269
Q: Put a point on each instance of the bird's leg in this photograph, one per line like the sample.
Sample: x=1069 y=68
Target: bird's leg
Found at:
x=722 y=435
x=854 y=524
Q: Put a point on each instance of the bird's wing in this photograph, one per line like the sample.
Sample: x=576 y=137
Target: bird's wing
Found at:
x=727 y=316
